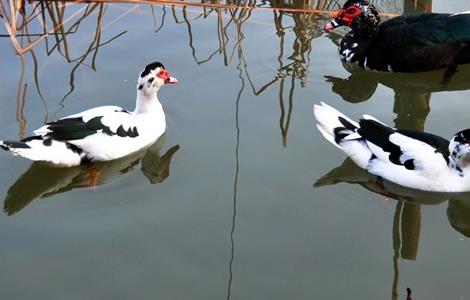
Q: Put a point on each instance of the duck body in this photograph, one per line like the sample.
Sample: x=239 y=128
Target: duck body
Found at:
x=412 y=43
x=417 y=160
x=102 y=133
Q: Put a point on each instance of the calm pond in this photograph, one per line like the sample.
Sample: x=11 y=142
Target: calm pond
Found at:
x=224 y=206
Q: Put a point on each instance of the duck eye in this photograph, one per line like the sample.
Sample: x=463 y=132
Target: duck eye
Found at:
x=351 y=10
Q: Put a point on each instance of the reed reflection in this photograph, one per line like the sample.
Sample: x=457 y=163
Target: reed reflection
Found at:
x=53 y=26
x=293 y=58
x=42 y=181
x=306 y=27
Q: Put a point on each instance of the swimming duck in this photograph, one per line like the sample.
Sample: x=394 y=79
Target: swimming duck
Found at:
x=412 y=159
x=411 y=43
x=102 y=133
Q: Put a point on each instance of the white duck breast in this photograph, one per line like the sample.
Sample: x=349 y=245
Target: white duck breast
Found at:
x=102 y=133
x=413 y=159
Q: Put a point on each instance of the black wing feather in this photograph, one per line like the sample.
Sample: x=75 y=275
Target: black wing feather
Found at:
x=379 y=135
x=74 y=128
x=426 y=29
x=421 y=42
x=70 y=129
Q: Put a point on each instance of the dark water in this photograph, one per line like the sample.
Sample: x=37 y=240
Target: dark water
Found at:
x=223 y=207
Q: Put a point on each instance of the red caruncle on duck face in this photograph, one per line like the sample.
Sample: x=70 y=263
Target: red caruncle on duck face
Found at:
x=165 y=75
x=348 y=14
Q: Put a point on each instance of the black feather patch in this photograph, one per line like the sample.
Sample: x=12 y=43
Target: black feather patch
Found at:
x=47 y=142
x=151 y=67
x=14 y=144
x=21 y=143
x=347 y=124
x=463 y=136
x=342 y=132
x=75 y=128
x=409 y=164
x=121 y=131
x=108 y=131
x=379 y=135
x=132 y=132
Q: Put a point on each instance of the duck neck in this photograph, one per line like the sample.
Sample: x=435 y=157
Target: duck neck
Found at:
x=147 y=104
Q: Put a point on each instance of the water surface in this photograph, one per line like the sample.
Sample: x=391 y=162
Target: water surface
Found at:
x=223 y=207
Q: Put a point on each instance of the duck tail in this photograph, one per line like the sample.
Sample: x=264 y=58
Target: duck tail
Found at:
x=39 y=148
x=341 y=131
x=333 y=125
x=13 y=146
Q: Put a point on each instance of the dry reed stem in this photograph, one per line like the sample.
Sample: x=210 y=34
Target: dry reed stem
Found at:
x=16 y=7
x=217 y=5
x=10 y=25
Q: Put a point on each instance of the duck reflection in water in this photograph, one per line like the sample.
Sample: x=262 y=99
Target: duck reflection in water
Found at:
x=407 y=216
x=458 y=210
x=349 y=172
x=412 y=91
x=42 y=181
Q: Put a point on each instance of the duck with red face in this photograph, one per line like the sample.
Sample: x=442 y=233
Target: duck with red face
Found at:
x=412 y=43
x=102 y=133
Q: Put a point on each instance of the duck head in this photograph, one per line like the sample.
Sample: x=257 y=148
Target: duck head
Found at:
x=459 y=148
x=360 y=15
x=152 y=78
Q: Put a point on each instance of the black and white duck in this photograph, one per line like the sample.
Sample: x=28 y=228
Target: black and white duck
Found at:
x=413 y=159
x=102 y=133
x=409 y=43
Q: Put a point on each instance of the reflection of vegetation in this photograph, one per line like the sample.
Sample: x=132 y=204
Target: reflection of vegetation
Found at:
x=292 y=67
x=235 y=182
x=23 y=22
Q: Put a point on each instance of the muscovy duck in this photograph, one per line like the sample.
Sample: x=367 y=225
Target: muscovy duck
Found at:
x=102 y=133
x=411 y=43
x=412 y=159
